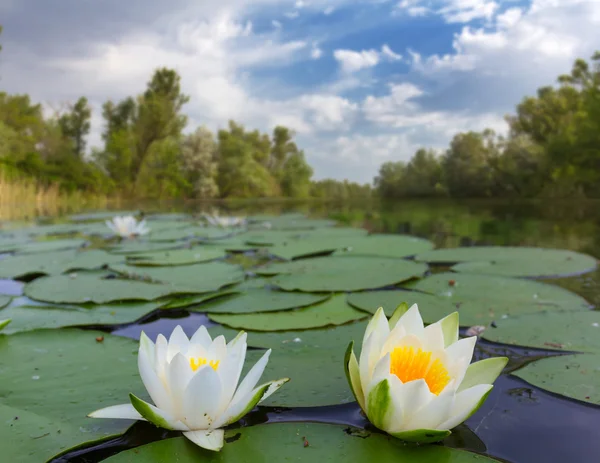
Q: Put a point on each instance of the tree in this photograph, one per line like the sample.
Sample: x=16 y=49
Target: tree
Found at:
x=295 y=176
x=198 y=161
x=389 y=181
x=75 y=125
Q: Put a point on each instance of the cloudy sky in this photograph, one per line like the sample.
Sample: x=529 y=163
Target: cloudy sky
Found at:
x=360 y=81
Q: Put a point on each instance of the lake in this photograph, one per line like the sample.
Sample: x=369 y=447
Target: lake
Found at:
x=546 y=415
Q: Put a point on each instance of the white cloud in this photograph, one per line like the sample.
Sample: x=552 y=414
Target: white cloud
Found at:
x=464 y=11
x=292 y=14
x=316 y=52
x=299 y=4
x=276 y=24
x=328 y=10
x=352 y=61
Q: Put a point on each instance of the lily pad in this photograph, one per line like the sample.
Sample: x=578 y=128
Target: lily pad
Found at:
x=197 y=278
x=136 y=246
x=294 y=249
x=56 y=378
x=178 y=256
x=513 y=261
x=432 y=308
x=187 y=302
x=483 y=298
x=93 y=288
x=569 y=331
x=347 y=273
x=4 y=301
x=56 y=262
x=575 y=376
x=285 y=442
x=50 y=245
x=334 y=311
x=30 y=317
x=386 y=246
x=261 y=300
x=172 y=234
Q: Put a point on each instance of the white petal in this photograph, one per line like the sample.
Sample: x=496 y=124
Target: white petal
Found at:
x=433 y=338
x=202 y=337
x=148 y=346
x=211 y=439
x=160 y=356
x=409 y=397
x=377 y=324
x=218 y=349
x=124 y=411
x=412 y=321
x=483 y=372
x=201 y=399
x=110 y=225
x=252 y=378
x=431 y=415
x=178 y=342
x=156 y=415
x=380 y=372
x=397 y=333
x=179 y=375
x=155 y=387
x=369 y=351
x=465 y=404
x=459 y=356
x=230 y=368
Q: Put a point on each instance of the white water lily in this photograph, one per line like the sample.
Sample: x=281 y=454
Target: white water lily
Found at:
x=127 y=226
x=415 y=382
x=224 y=221
x=194 y=384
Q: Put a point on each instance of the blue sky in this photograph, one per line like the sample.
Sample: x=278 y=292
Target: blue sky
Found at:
x=360 y=81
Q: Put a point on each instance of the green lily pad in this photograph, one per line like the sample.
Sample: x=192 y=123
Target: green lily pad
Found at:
x=278 y=237
x=187 y=302
x=56 y=262
x=196 y=278
x=513 y=261
x=285 y=442
x=575 y=376
x=50 y=245
x=569 y=330
x=294 y=249
x=211 y=233
x=172 y=234
x=9 y=243
x=4 y=301
x=334 y=311
x=32 y=317
x=177 y=256
x=331 y=337
x=261 y=300
x=56 y=378
x=432 y=308
x=346 y=273
x=289 y=222
x=136 y=246
x=483 y=298
x=93 y=288
x=386 y=246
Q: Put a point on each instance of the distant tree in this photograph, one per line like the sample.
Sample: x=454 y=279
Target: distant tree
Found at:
x=198 y=161
x=75 y=125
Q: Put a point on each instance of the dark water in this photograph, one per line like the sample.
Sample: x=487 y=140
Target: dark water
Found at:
x=518 y=423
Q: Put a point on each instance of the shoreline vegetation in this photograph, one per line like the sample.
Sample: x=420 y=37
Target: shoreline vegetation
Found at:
x=148 y=153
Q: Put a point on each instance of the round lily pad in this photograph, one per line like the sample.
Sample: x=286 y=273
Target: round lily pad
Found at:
x=56 y=262
x=260 y=300
x=334 y=311
x=56 y=378
x=172 y=234
x=432 y=308
x=568 y=330
x=50 y=245
x=513 y=261
x=187 y=302
x=196 y=278
x=93 y=288
x=177 y=256
x=347 y=273
x=386 y=246
x=285 y=442
x=483 y=298
x=28 y=317
x=135 y=246
x=575 y=376
x=4 y=301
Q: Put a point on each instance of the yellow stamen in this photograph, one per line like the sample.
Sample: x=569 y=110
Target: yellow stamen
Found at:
x=197 y=362
x=410 y=365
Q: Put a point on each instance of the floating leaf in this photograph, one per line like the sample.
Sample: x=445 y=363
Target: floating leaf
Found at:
x=31 y=317
x=136 y=246
x=56 y=262
x=334 y=311
x=261 y=300
x=178 y=256
x=93 y=288
x=197 y=278
x=570 y=331
x=346 y=273
x=298 y=442
x=4 y=301
x=575 y=376
x=432 y=308
x=187 y=302
x=50 y=245
x=513 y=261
x=56 y=378
x=483 y=298
x=386 y=246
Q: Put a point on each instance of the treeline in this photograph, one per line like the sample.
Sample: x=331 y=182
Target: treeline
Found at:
x=146 y=154
x=552 y=150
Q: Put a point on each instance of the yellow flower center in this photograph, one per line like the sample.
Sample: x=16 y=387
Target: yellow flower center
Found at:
x=409 y=364
x=197 y=362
